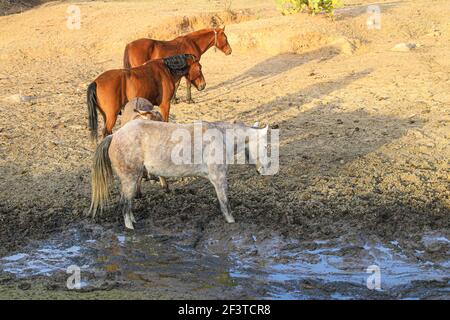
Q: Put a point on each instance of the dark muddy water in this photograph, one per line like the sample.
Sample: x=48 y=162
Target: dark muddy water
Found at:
x=242 y=266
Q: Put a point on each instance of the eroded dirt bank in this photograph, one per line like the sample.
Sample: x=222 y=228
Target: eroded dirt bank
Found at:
x=364 y=129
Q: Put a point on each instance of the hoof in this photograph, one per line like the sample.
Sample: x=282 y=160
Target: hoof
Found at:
x=129 y=225
x=230 y=219
x=128 y=221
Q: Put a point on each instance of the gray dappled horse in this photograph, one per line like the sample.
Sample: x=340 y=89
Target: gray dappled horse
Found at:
x=148 y=145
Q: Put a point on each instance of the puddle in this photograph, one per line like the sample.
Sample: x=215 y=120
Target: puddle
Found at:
x=244 y=267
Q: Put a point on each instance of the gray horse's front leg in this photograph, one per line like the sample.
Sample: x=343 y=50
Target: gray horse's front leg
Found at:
x=188 y=92
x=219 y=181
x=164 y=184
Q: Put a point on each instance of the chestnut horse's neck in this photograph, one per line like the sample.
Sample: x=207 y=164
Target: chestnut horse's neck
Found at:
x=177 y=76
x=174 y=77
x=204 y=39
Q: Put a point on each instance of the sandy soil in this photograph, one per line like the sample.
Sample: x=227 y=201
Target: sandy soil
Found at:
x=364 y=129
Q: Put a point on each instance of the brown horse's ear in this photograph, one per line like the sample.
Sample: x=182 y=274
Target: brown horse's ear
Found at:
x=194 y=58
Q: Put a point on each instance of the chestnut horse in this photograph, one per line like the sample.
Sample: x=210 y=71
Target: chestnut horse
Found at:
x=195 y=43
x=154 y=81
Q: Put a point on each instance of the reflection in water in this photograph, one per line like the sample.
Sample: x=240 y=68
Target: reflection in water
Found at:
x=275 y=268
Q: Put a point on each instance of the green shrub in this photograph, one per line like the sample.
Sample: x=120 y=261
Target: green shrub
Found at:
x=313 y=6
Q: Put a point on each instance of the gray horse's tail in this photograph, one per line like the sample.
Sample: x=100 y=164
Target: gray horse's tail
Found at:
x=92 y=104
x=102 y=176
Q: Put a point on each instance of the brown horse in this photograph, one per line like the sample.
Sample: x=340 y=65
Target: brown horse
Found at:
x=154 y=81
x=195 y=43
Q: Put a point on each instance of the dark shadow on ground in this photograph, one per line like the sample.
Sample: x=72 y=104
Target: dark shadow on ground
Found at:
x=274 y=66
x=17 y=6
x=303 y=96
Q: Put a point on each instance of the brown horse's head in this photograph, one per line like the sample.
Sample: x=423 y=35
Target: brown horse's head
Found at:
x=194 y=73
x=221 y=41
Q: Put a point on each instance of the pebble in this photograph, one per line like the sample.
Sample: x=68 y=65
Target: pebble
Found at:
x=404 y=47
x=17 y=98
x=24 y=286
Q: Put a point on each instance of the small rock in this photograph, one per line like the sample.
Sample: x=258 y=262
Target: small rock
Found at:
x=56 y=142
x=404 y=47
x=24 y=286
x=17 y=98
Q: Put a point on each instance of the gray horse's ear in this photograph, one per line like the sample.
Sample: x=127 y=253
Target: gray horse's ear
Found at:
x=256 y=125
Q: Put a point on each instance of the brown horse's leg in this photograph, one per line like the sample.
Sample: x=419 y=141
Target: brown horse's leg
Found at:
x=174 y=98
x=188 y=91
x=164 y=109
x=109 y=124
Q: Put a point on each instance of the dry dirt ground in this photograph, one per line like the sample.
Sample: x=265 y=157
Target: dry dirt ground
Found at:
x=364 y=129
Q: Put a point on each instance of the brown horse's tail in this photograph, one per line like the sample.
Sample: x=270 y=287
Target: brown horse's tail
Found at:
x=102 y=176
x=92 y=104
x=126 y=59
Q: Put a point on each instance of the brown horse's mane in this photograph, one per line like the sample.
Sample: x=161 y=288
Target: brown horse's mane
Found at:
x=173 y=63
x=198 y=32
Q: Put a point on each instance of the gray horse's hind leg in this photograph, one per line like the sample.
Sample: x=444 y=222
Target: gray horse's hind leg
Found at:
x=219 y=181
x=138 y=188
x=142 y=176
x=128 y=192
